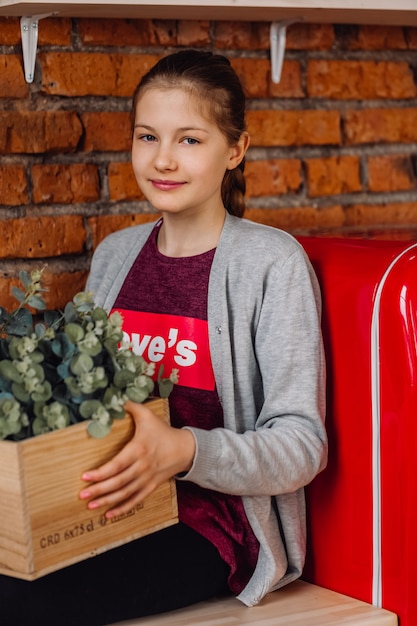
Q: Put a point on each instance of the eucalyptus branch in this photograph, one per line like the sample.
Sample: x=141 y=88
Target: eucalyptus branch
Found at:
x=72 y=366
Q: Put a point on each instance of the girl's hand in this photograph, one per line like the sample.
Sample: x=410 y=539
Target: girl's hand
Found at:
x=155 y=453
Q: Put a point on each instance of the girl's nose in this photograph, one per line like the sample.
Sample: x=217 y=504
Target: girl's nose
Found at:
x=164 y=159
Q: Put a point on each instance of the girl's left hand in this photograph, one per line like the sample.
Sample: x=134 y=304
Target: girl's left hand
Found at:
x=155 y=453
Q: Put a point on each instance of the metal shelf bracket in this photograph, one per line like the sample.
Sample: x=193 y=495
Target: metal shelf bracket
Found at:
x=277 y=39
x=29 y=35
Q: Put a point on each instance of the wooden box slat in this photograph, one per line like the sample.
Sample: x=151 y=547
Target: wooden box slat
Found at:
x=43 y=524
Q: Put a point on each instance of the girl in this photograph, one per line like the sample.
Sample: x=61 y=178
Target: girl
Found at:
x=235 y=307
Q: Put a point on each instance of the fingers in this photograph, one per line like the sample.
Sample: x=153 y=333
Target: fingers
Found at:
x=155 y=453
x=139 y=411
x=128 y=478
x=116 y=481
x=119 y=494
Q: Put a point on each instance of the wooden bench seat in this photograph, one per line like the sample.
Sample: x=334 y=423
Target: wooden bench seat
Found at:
x=297 y=604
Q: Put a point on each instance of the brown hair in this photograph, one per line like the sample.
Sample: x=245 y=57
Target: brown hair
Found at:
x=212 y=79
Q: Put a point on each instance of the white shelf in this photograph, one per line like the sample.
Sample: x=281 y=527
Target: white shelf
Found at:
x=390 y=12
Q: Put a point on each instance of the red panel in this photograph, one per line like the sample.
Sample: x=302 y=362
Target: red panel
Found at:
x=340 y=501
x=398 y=382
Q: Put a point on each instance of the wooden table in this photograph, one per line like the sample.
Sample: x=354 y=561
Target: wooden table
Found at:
x=297 y=604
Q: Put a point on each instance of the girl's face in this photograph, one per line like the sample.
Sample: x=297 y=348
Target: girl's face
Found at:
x=179 y=156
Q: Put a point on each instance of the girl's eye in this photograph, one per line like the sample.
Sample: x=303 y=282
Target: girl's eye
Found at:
x=147 y=138
x=190 y=141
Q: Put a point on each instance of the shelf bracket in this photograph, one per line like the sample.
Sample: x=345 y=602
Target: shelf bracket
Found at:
x=277 y=38
x=29 y=35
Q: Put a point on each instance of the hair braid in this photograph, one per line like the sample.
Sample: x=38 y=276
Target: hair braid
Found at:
x=233 y=190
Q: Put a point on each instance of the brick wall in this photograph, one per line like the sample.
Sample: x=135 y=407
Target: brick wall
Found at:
x=333 y=145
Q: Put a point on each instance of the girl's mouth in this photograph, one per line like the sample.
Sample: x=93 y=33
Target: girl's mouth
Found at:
x=166 y=185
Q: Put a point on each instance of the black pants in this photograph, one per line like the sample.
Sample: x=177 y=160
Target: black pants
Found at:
x=163 y=571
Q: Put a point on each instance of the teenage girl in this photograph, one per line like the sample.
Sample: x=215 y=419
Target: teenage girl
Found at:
x=235 y=307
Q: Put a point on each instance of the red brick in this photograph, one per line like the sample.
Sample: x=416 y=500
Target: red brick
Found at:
x=335 y=175
x=37 y=237
x=411 y=37
x=9 y=31
x=272 y=177
x=372 y=37
x=255 y=75
x=55 y=31
x=391 y=173
x=110 y=131
x=302 y=36
x=241 y=35
x=12 y=83
x=255 y=36
x=136 y=32
x=6 y=299
x=61 y=288
x=105 y=32
x=390 y=213
x=94 y=74
x=360 y=80
x=293 y=128
x=105 y=225
x=36 y=132
x=122 y=183
x=297 y=218
x=66 y=184
x=193 y=33
x=381 y=125
x=13 y=185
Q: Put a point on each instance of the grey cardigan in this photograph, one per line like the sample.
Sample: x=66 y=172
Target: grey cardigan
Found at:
x=266 y=349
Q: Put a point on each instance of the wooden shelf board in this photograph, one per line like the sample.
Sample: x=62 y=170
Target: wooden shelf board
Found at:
x=391 y=12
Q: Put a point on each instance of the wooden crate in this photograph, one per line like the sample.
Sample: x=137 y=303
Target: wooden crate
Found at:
x=44 y=526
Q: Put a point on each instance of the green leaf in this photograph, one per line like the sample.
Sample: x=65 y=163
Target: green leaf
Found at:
x=98 y=430
x=38 y=409
x=62 y=346
x=123 y=378
x=4 y=315
x=21 y=324
x=100 y=314
x=40 y=330
x=81 y=363
x=25 y=279
x=74 y=332
x=137 y=394
x=165 y=387
x=40 y=426
x=20 y=393
x=37 y=303
x=112 y=345
x=18 y=294
x=89 y=407
x=70 y=314
x=43 y=394
x=9 y=372
x=63 y=370
x=74 y=390
x=84 y=302
x=52 y=319
x=37 y=357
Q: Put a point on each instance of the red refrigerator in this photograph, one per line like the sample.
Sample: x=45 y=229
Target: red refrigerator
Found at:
x=362 y=509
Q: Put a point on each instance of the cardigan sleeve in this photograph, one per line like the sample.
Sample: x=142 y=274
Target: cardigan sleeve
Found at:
x=275 y=441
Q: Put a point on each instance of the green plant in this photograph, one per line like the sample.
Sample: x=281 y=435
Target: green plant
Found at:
x=68 y=366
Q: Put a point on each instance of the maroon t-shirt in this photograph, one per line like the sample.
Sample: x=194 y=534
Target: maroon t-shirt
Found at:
x=164 y=304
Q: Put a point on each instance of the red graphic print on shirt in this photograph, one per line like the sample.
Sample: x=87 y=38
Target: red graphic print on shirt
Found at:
x=175 y=341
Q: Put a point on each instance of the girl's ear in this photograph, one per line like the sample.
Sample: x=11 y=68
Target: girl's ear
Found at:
x=238 y=151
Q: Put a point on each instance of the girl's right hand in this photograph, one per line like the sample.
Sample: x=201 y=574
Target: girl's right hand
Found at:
x=156 y=453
